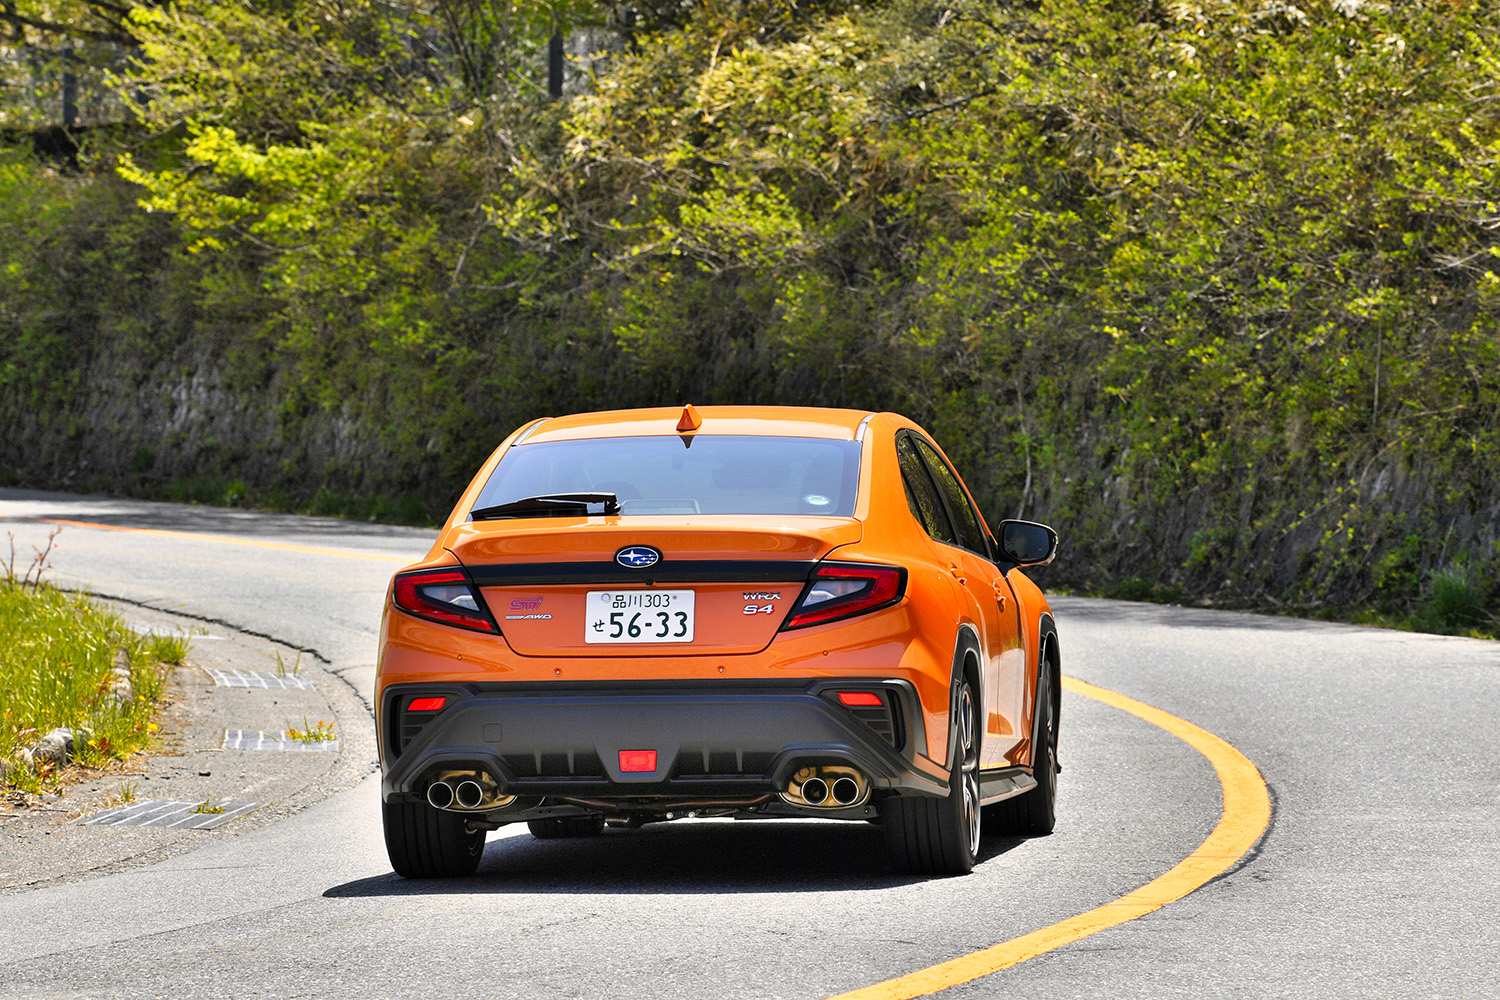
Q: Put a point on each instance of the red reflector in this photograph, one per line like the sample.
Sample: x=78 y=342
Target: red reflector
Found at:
x=860 y=699
x=637 y=760
x=426 y=704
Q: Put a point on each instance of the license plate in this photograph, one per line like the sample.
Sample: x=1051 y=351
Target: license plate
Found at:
x=638 y=616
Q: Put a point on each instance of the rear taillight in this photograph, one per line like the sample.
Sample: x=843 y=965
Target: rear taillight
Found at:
x=443 y=595
x=842 y=590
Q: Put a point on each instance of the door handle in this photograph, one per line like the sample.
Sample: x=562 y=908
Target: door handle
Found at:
x=999 y=594
x=953 y=568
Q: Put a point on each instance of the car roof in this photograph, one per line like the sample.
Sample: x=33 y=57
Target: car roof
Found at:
x=765 y=421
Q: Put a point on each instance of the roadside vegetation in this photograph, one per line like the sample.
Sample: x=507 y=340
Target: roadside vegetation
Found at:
x=1209 y=285
x=68 y=664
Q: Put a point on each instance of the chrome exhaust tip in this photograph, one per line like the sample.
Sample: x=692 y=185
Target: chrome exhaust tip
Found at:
x=466 y=791
x=814 y=791
x=468 y=794
x=827 y=787
x=440 y=795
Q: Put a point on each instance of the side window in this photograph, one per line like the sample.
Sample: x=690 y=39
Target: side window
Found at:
x=921 y=494
x=965 y=521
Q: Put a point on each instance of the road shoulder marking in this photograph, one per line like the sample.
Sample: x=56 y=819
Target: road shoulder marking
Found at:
x=1246 y=814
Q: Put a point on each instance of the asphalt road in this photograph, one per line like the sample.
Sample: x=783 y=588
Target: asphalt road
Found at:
x=1376 y=877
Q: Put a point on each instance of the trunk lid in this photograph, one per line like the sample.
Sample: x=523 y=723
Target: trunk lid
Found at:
x=556 y=588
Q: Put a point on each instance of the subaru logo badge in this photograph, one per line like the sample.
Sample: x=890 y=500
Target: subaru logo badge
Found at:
x=638 y=557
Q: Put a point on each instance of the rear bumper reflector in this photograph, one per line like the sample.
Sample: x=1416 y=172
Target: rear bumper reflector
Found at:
x=638 y=760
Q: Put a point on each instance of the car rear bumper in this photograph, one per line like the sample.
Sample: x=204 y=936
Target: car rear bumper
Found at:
x=730 y=740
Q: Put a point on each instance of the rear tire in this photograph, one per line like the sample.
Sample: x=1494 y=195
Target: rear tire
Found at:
x=424 y=842
x=1033 y=813
x=558 y=827
x=927 y=836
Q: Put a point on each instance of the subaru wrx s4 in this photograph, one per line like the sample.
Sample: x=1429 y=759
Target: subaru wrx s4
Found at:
x=639 y=615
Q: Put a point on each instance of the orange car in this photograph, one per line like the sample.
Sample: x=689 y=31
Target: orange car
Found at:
x=750 y=611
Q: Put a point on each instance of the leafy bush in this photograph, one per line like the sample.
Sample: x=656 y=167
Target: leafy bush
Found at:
x=1208 y=285
x=1458 y=600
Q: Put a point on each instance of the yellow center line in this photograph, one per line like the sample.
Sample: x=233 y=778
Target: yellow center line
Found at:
x=226 y=540
x=1247 y=812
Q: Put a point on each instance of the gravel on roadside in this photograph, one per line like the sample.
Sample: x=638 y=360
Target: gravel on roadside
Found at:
x=49 y=843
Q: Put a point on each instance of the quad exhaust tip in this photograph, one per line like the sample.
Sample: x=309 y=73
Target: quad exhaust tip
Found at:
x=466 y=791
x=832 y=787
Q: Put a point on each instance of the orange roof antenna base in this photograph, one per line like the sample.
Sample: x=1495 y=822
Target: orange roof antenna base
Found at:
x=689 y=421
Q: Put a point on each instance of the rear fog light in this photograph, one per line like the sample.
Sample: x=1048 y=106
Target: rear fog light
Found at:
x=638 y=760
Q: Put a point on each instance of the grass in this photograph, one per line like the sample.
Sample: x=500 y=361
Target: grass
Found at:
x=124 y=795
x=57 y=654
x=1458 y=599
x=172 y=648
x=281 y=667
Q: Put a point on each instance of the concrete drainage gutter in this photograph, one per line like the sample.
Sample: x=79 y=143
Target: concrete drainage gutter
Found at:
x=144 y=812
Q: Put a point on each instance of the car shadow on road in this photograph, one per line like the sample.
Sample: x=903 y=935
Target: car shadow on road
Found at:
x=679 y=858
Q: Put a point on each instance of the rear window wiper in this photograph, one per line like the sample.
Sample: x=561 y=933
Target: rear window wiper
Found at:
x=548 y=505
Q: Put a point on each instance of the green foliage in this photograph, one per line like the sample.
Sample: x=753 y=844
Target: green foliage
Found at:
x=1211 y=286
x=1459 y=599
x=1241 y=249
x=40 y=22
x=168 y=648
x=1135 y=588
x=57 y=653
x=42 y=42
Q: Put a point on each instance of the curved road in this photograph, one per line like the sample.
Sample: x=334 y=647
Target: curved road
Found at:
x=1376 y=877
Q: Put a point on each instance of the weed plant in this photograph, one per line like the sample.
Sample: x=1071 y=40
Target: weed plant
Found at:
x=321 y=731
x=57 y=653
x=1458 y=600
x=282 y=670
x=125 y=794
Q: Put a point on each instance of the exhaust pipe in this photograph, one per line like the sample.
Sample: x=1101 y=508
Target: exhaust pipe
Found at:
x=466 y=791
x=827 y=786
x=468 y=794
x=440 y=795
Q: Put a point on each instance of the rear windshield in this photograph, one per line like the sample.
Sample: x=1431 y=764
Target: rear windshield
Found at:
x=682 y=475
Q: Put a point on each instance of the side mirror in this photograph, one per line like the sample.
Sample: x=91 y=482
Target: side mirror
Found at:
x=1027 y=543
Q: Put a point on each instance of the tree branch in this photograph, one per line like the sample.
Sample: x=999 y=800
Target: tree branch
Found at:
x=18 y=21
